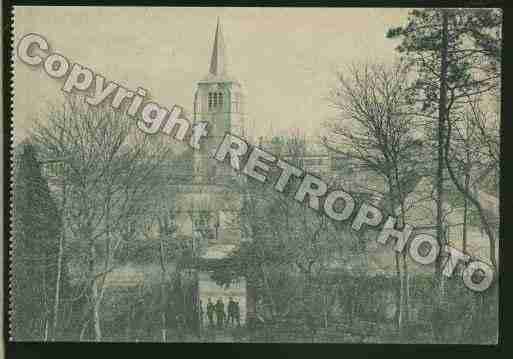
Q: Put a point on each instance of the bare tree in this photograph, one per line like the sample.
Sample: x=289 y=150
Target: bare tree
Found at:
x=375 y=130
x=111 y=171
x=472 y=151
x=286 y=239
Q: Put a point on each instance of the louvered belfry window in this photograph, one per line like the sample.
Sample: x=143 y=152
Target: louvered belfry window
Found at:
x=215 y=100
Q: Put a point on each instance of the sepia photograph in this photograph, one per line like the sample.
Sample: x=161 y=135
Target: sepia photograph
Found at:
x=255 y=175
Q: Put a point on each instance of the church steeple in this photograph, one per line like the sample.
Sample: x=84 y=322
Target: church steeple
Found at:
x=219 y=100
x=218 y=59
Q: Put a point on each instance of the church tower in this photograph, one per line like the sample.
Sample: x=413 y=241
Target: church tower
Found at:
x=220 y=102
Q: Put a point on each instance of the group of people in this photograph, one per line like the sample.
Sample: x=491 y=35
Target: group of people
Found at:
x=222 y=317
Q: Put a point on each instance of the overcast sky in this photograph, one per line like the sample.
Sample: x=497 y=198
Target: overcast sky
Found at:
x=285 y=58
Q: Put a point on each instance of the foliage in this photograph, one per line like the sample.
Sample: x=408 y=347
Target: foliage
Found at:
x=36 y=235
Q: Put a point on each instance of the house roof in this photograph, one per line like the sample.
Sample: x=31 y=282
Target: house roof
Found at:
x=219 y=251
x=421 y=213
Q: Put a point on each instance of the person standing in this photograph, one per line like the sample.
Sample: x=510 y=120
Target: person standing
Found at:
x=210 y=312
x=201 y=314
x=180 y=326
x=220 y=314
x=237 y=313
x=231 y=311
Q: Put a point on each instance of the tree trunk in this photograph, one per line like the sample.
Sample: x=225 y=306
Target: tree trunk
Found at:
x=46 y=327
x=95 y=298
x=326 y=311
x=399 y=296
x=57 y=287
x=486 y=225
x=99 y=289
x=83 y=330
x=251 y=297
x=406 y=290
x=465 y=199
x=442 y=118
x=406 y=284
x=59 y=263
x=96 y=312
x=396 y=191
x=268 y=290
x=162 y=285
x=465 y=207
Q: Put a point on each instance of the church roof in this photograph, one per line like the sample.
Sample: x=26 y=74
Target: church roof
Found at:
x=218 y=71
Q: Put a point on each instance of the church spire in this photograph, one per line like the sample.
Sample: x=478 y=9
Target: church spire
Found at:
x=218 y=59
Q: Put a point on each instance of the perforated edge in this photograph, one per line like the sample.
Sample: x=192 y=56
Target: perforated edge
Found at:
x=9 y=127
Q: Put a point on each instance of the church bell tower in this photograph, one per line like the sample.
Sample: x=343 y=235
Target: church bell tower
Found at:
x=220 y=102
